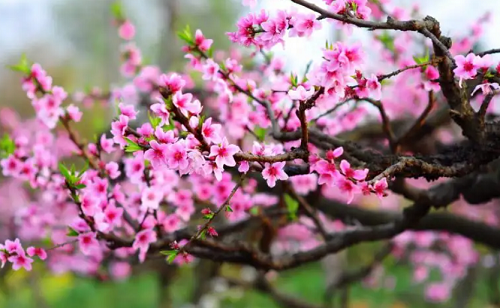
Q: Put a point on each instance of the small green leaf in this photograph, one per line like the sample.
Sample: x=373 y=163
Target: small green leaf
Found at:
x=186 y=35
x=229 y=209
x=85 y=168
x=22 y=66
x=7 y=146
x=71 y=232
x=171 y=255
x=80 y=186
x=203 y=234
x=132 y=146
x=260 y=133
x=254 y=210
x=155 y=121
x=167 y=252
x=292 y=205
x=65 y=172
x=209 y=216
x=117 y=10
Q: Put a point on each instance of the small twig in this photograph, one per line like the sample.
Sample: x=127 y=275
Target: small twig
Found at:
x=215 y=214
x=399 y=71
x=310 y=212
x=420 y=121
x=386 y=123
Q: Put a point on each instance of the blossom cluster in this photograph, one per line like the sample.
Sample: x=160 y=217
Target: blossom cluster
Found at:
x=201 y=156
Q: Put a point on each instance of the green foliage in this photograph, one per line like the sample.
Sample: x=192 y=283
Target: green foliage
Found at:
x=423 y=59
x=132 y=146
x=387 y=40
x=72 y=178
x=171 y=255
x=23 y=66
x=71 y=232
x=186 y=35
x=117 y=10
x=292 y=206
x=7 y=146
x=260 y=133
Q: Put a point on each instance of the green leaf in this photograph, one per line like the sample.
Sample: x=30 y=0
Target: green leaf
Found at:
x=65 y=172
x=171 y=255
x=85 y=168
x=209 y=216
x=7 y=146
x=71 y=232
x=80 y=186
x=155 y=121
x=132 y=146
x=260 y=132
x=229 y=209
x=387 y=40
x=186 y=35
x=292 y=205
x=117 y=10
x=423 y=59
x=22 y=66
x=203 y=234
x=254 y=210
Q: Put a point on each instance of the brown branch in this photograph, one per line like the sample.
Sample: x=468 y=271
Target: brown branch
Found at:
x=310 y=212
x=399 y=71
x=74 y=138
x=391 y=24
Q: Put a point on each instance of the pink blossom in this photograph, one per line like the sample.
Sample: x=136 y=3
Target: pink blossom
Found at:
x=224 y=153
x=244 y=167
x=142 y=241
x=486 y=88
x=274 y=29
x=210 y=70
x=210 y=131
x=13 y=246
x=120 y=270
x=35 y=251
x=158 y=154
x=304 y=25
x=211 y=231
x=128 y=111
x=172 y=82
x=177 y=156
x=74 y=113
x=250 y=3
x=89 y=245
x=126 y=30
x=374 y=87
x=160 y=110
x=348 y=187
x=201 y=42
x=300 y=93
x=466 y=66
x=171 y=223
x=20 y=260
x=438 y=292
x=359 y=175
x=112 y=170
x=106 y=144
x=151 y=198
x=273 y=172
x=380 y=187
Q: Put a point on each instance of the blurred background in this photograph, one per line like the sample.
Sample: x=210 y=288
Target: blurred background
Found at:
x=77 y=43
